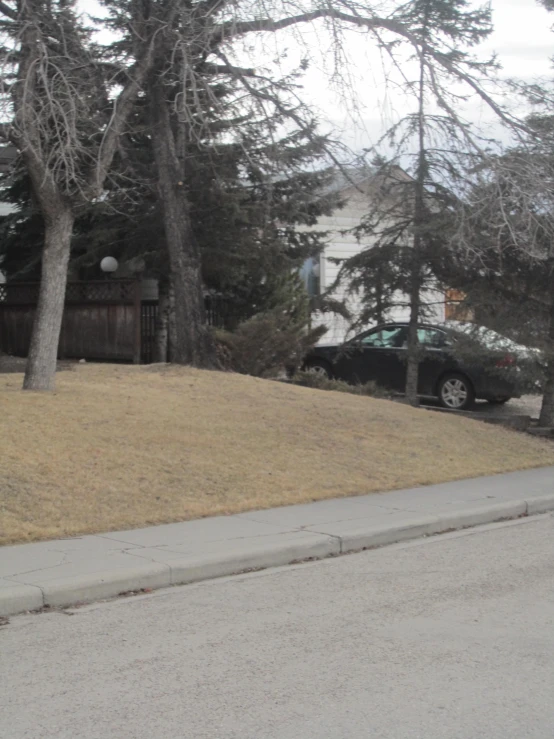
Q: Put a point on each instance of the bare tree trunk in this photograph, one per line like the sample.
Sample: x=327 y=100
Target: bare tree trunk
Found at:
x=171 y=324
x=40 y=372
x=412 y=373
x=193 y=341
x=379 y=312
x=161 y=345
x=546 y=417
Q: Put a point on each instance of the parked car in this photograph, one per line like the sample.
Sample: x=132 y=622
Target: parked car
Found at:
x=458 y=364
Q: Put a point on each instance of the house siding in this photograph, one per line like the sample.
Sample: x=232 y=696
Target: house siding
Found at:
x=341 y=245
x=5 y=210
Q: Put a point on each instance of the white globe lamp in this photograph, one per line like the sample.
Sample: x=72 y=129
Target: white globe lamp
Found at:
x=109 y=265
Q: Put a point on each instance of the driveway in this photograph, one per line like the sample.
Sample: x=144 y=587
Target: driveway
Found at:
x=528 y=405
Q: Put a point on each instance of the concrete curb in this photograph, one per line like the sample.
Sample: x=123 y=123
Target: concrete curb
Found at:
x=101 y=585
x=150 y=575
x=18 y=598
x=259 y=558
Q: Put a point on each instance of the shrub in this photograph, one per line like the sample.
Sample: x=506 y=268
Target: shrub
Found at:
x=319 y=382
x=266 y=344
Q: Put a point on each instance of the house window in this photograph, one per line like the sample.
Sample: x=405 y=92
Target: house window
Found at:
x=310 y=276
x=455 y=308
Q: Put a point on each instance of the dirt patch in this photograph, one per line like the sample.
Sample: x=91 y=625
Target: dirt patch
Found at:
x=118 y=447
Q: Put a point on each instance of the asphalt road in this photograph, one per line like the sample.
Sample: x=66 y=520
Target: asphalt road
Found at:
x=528 y=405
x=450 y=637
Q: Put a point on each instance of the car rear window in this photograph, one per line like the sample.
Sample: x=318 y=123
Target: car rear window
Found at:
x=431 y=337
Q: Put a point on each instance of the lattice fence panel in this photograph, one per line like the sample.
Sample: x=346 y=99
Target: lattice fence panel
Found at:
x=115 y=291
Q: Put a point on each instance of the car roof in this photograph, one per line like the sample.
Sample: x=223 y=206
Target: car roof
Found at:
x=405 y=324
x=400 y=324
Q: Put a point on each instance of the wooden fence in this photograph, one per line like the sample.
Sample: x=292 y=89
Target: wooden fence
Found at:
x=102 y=320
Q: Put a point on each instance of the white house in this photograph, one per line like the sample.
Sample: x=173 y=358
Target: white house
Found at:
x=7 y=155
x=321 y=273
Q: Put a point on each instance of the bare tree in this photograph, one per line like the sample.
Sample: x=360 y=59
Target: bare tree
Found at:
x=503 y=248
x=66 y=128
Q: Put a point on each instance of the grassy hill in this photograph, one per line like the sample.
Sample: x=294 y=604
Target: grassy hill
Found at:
x=120 y=447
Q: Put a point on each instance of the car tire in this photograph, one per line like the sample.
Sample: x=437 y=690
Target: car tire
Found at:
x=498 y=401
x=455 y=392
x=319 y=367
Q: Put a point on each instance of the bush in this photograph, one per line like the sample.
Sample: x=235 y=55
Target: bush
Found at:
x=319 y=382
x=266 y=344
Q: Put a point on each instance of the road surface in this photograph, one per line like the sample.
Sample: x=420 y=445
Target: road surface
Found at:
x=449 y=637
x=528 y=405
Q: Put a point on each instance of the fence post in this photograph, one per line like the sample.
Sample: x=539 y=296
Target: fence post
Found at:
x=137 y=291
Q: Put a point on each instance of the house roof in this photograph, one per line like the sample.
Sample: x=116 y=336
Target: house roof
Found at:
x=358 y=177
x=351 y=177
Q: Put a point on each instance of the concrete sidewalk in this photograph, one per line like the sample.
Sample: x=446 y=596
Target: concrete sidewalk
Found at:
x=67 y=571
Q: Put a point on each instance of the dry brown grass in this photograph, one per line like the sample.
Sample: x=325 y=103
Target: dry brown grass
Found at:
x=119 y=447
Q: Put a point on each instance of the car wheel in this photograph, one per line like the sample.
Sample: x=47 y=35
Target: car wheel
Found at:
x=456 y=392
x=319 y=367
x=498 y=401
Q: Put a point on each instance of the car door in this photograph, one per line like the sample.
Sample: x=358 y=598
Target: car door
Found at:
x=434 y=359
x=377 y=356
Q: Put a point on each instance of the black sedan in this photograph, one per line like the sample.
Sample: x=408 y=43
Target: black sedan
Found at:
x=451 y=369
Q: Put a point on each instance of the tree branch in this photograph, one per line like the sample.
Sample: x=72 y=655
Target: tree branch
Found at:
x=212 y=68
x=7 y=11
x=230 y=30
x=121 y=111
x=454 y=70
x=233 y=29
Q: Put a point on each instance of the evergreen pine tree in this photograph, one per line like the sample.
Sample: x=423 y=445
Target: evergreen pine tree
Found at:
x=411 y=214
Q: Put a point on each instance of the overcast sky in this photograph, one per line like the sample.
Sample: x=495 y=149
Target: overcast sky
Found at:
x=522 y=39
